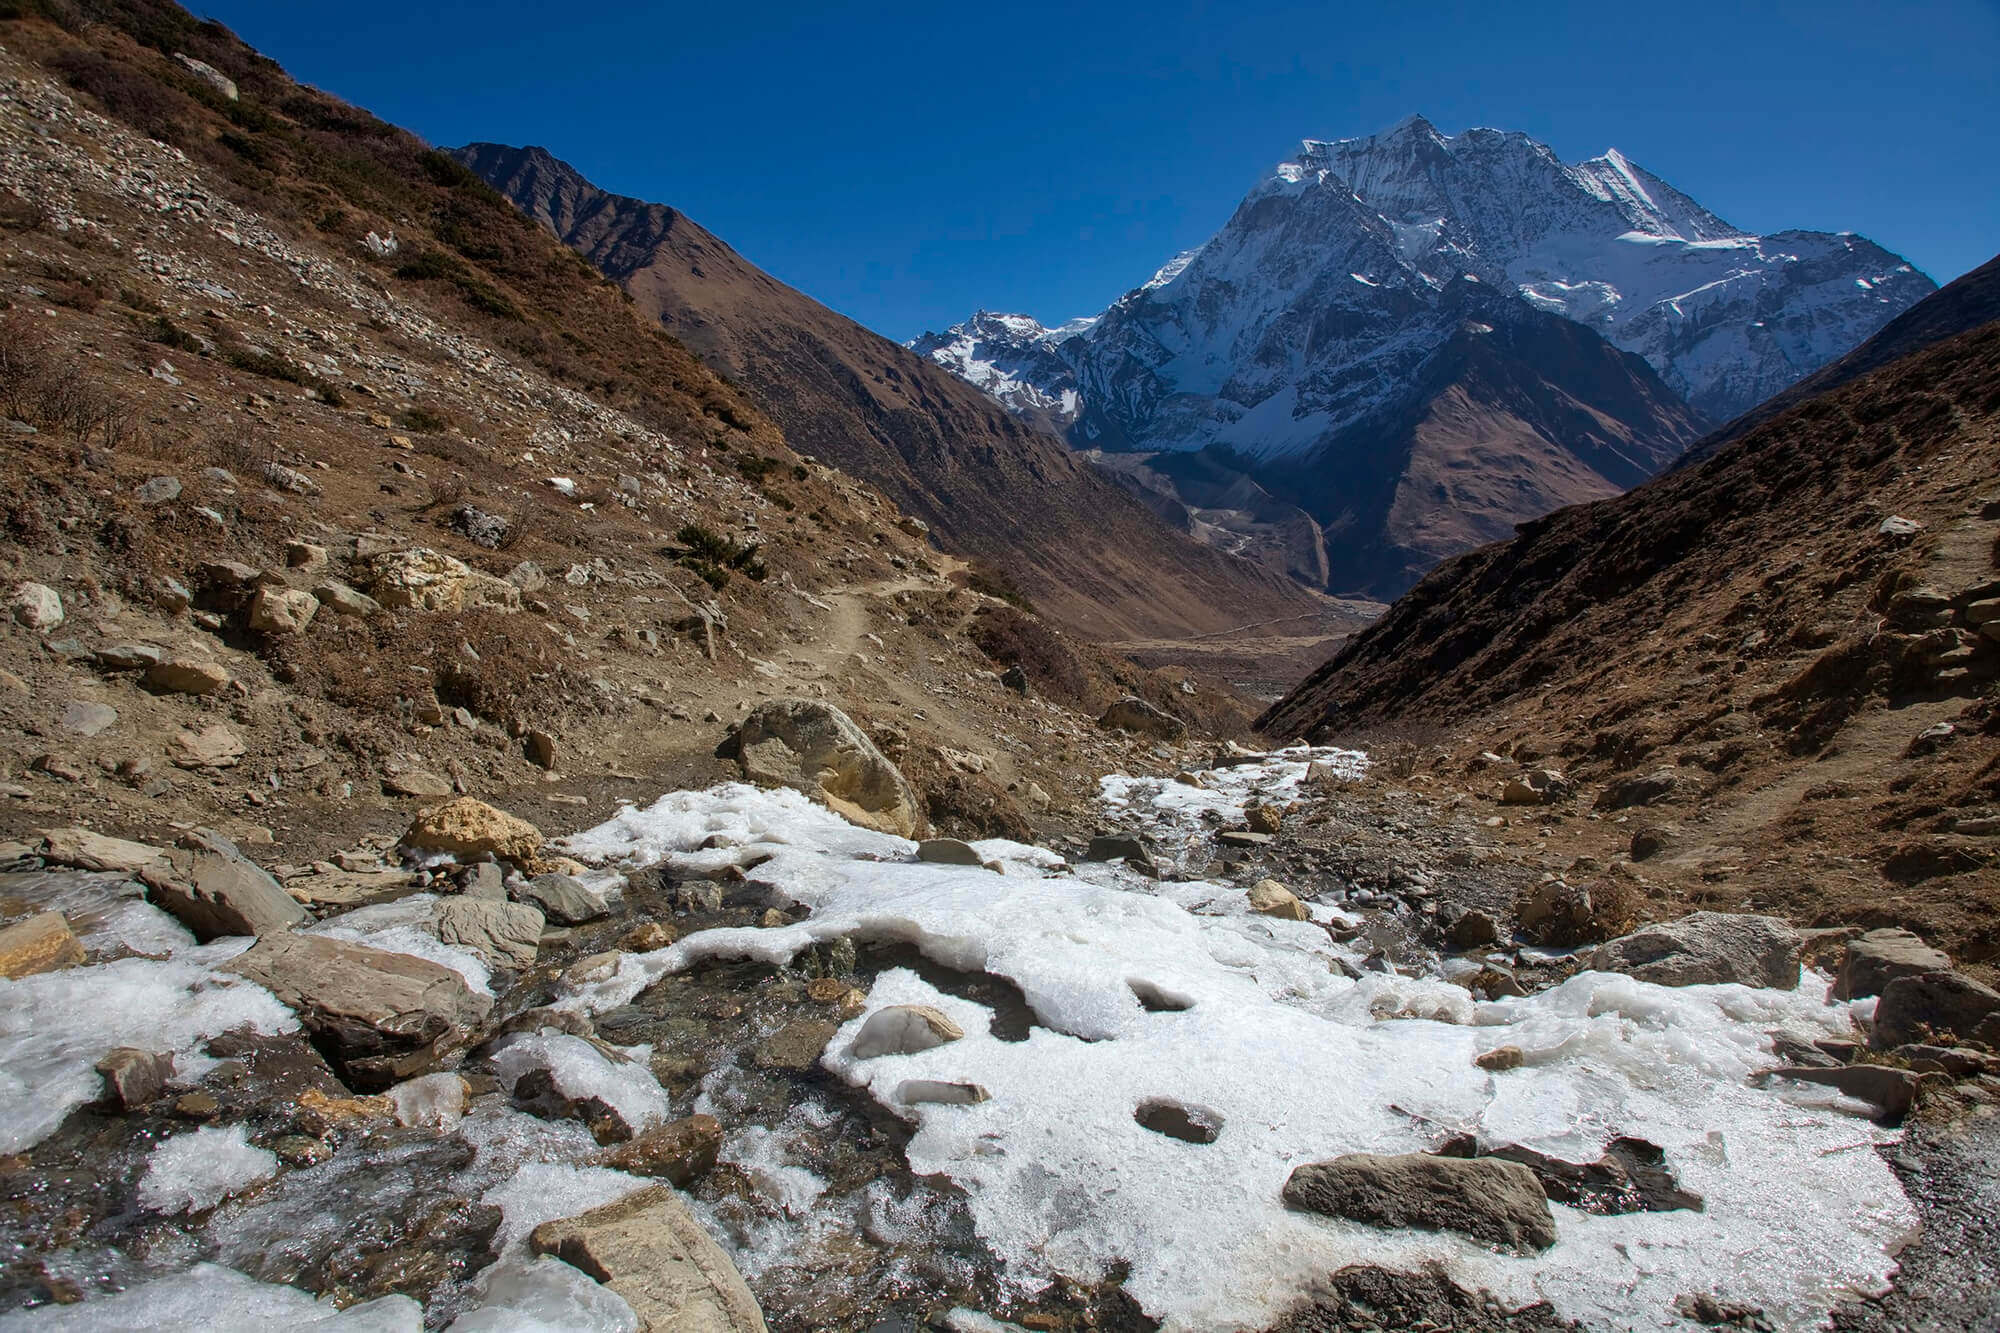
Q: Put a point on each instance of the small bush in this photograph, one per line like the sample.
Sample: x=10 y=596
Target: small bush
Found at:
x=996 y=582
x=754 y=469
x=713 y=556
x=425 y=421
x=1053 y=668
x=169 y=334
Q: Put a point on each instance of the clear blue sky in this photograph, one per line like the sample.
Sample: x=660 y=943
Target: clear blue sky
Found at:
x=908 y=165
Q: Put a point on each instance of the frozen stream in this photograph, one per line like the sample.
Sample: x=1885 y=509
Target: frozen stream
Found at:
x=1247 y=1018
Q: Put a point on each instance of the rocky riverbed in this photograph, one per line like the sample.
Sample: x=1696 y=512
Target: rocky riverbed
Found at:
x=731 y=1050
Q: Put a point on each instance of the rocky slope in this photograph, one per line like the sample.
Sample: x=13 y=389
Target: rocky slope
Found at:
x=990 y=487
x=1329 y=314
x=1785 y=651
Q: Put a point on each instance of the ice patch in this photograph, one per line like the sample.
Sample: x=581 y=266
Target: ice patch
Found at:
x=191 y=1173
x=403 y=927
x=220 y=1300
x=545 y=1191
x=544 y=1295
x=580 y=1070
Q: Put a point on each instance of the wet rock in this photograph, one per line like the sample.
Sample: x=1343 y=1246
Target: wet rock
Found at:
x=647 y=936
x=282 y=611
x=472 y=830
x=649 y=1249
x=561 y=899
x=1179 y=1120
x=214 y=746
x=185 y=673
x=1270 y=898
x=948 y=851
x=342 y=600
x=1631 y=1177
x=1136 y=715
x=812 y=746
x=134 y=1077
x=1499 y=1202
x=795 y=1046
x=1879 y=957
x=380 y=1017
x=420 y=579
x=502 y=934
x=85 y=850
x=923 y=1091
x=1934 y=1004
x=214 y=889
x=1640 y=789
x=1707 y=948
x=539 y=1092
x=903 y=1029
x=36 y=606
x=41 y=943
x=1125 y=847
x=1711 y=1310
x=679 y=1151
x=1243 y=838
x=1891 y=1090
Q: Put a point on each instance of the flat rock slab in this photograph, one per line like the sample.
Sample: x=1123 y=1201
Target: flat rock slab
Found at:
x=1501 y=1203
x=1708 y=948
x=649 y=1249
x=85 y=850
x=502 y=934
x=381 y=1017
x=213 y=889
x=40 y=943
x=561 y=899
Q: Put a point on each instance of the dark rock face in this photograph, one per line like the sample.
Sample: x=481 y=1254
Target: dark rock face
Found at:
x=1631 y=1177
x=1499 y=1202
x=1369 y=1298
x=1881 y=956
x=1933 y=1004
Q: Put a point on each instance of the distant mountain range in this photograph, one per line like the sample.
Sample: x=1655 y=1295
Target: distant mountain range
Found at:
x=1419 y=340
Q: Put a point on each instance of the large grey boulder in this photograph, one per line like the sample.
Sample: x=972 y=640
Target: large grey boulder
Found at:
x=1935 y=1004
x=1879 y=957
x=1707 y=948
x=213 y=889
x=502 y=934
x=561 y=899
x=380 y=1017
x=1135 y=714
x=649 y=1249
x=810 y=745
x=1499 y=1202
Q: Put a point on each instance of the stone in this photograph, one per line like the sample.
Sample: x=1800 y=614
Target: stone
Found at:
x=128 y=656
x=1933 y=1004
x=562 y=899
x=1892 y=1091
x=1501 y=1058
x=1641 y=789
x=903 y=1029
x=1243 y=838
x=1897 y=526
x=289 y=479
x=528 y=577
x=1631 y=1177
x=1707 y=948
x=795 y=1046
x=1126 y=847
x=214 y=746
x=949 y=851
x=306 y=557
x=1179 y=1120
x=1558 y=913
x=471 y=830
x=812 y=746
x=1472 y=929
x=134 y=1077
x=225 y=574
x=158 y=491
x=540 y=748
x=650 y=1250
x=342 y=600
x=485 y=880
x=36 y=606
x=63 y=767
x=647 y=936
x=282 y=611
x=679 y=1151
x=1879 y=957
x=40 y=943
x=86 y=718
x=1647 y=842
x=1499 y=1202
x=1264 y=818
x=416 y=782
x=379 y=1017
x=84 y=850
x=502 y=934
x=1136 y=715
x=1535 y=786
x=1270 y=898
x=185 y=673
x=420 y=579
x=930 y=1091
x=213 y=889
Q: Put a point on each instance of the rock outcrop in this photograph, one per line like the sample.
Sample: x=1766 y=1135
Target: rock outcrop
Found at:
x=812 y=746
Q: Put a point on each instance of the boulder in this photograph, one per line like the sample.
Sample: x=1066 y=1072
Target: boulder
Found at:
x=678 y=1151
x=85 y=850
x=424 y=580
x=133 y=1077
x=1879 y=957
x=650 y=1250
x=1126 y=847
x=1535 y=786
x=561 y=899
x=903 y=1029
x=1557 y=913
x=36 y=606
x=1933 y=1004
x=37 y=944
x=282 y=610
x=1472 y=929
x=471 y=830
x=810 y=745
x=185 y=673
x=342 y=600
x=1498 y=1202
x=1270 y=898
x=1707 y=948
x=213 y=889
x=379 y=1017
x=1136 y=715
x=502 y=934
x=1640 y=789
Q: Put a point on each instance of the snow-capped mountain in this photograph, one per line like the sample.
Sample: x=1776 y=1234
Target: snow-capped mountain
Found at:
x=1346 y=243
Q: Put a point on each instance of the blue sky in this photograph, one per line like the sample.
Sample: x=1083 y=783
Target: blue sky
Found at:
x=909 y=165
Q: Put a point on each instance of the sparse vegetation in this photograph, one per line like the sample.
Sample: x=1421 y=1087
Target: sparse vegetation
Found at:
x=714 y=556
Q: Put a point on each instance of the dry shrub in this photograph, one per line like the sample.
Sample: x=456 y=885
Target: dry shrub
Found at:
x=1053 y=668
x=48 y=389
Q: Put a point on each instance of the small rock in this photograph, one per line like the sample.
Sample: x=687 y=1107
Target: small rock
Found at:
x=562 y=899
x=1535 y=786
x=342 y=600
x=1270 y=898
x=1472 y=929
x=948 y=851
x=282 y=610
x=485 y=880
x=416 y=782
x=1243 y=838
x=649 y=1249
x=1264 y=818
x=128 y=656
x=1642 y=789
x=305 y=557
x=540 y=748
x=679 y=1151
x=795 y=1046
x=471 y=830
x=1647 y=842
x=60 y=766
x=184 y=673
x=903 y=1029
x=1136 y=715
x=86 y=718
x=36 y=606
x=1501 y=1059
x=1897 y=526
x=1179 y=1120
x=41 y=943
x=216 y=746
x=502 y=934
x=134 y=1077
x=84 y=850
x=922 y=1091
x=158 y=491
x=646 y=937
x=1125 y=847
x=1491 y=1200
